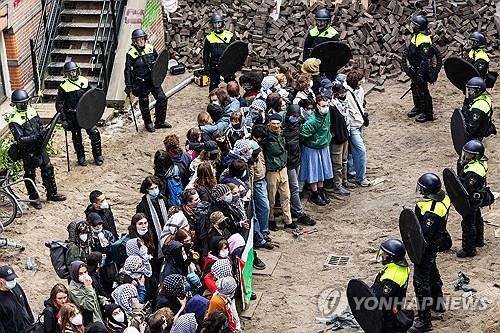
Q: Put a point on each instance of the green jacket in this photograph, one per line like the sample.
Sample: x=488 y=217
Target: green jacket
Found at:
x=275 y=152
x=315 y=133
x=86 y=299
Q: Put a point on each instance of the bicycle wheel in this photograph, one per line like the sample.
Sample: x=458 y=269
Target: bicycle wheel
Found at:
x=8 y=208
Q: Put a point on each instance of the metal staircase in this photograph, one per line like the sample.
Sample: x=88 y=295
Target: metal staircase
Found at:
x=83 y=31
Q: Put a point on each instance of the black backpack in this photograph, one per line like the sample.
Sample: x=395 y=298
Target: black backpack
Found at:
x=58 y=251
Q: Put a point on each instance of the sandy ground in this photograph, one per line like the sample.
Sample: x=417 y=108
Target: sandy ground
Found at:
x=399 y=150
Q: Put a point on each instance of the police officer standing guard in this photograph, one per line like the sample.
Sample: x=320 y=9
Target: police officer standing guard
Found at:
x=477 y=110
x=476 y=53
x=29 y=134
x=322 y=32
x=140 y=59
x=419 y=55
x=432 y=214
x=69 y=93
x=216 y=43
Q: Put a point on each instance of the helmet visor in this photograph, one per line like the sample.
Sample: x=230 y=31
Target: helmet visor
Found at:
x=382 y=256
x=218 y=26
x=322 y=23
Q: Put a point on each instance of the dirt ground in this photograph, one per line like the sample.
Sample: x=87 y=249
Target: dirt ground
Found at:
x=399 y=150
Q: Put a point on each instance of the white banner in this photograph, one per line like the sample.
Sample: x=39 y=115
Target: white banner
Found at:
x=275 y=12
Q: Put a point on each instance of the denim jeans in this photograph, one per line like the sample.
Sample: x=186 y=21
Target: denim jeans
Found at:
x=261 y=202
x=296 y=206
x=358 y=153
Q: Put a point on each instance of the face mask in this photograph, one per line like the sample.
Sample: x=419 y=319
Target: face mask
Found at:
x=143 y=250
x=323 y=111
x=237 y=126
x=311 y=84
x=97 y=230
x=10 y=284
x=104 y=205
x=77 y=320
x=184 y=256
x=293 y=119
x=244 y=174
x=142 y=232
x=222 y=225
x=136 y=276
x=342 y=98
x=154 y=193
x=246 y=86
x=236 y=198
x=216 y=103
x=229 y=198
x=83 y=277
x=224 y=253
x=84 y=237
x=119 y=318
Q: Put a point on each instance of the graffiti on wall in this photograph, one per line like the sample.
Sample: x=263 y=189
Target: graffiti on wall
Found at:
x=134 y=15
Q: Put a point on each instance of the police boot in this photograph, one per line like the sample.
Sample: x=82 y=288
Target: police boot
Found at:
x=479 y=232
x=148 y=123
x=95 y=142
x=49 y=181
x=466 y=253
x=423 y=117
x=161 y=114
x=79 y=148
x=33 y=194
x=413 y=112
x=421 y=326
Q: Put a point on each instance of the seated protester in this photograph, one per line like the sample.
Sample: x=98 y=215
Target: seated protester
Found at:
x=306 y=109
x=242 y=151
x=126 y=297
x=172 y=293
x=250 y=82
x=194 y=145
x=222 y=198
x=233 y=90
x=223 y=301
x=139 y=228
x=83 y=295
x=176 y=156
x=219 y=251
x=52 y=311
x=269 y=85
x=274 y=104
x=228 y=104
x=115 y=318
x=215 y=322
x=214 y=108
x=289 y=83
x=185 y=324
x=256 y=114
x=282 y=85
x=133 y=272
x=218 y=227
x=208 y=128
x=236 y=130
x=238 y=202
x=101 y=239
x=198 y=305
x=161 y=321
x=203 y=185
x=160 y=167
x=79 y=247
x=71 y=320
x=176 y=221
x=176 y=260
x=184 y=237
x=210 y=154
x=304 y=89
x=100 y=205
x=190 y=200
x=136 y=247
x=236 y=245
x=237 y=172
x=94 y=263
x=311 y=66
x=154 y=206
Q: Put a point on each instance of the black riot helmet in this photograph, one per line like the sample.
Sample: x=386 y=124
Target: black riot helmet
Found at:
x=217 y=22
x=71 y=66
x=20 y=99
x=392 y=251
x=475 y=148
x=429 y=185
x=420 y=23
x=323 y=18
x=137 y=33
x=475 y=87
x=477 y=40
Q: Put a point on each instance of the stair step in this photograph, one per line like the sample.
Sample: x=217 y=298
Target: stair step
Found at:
x=71 y=38
x=72 y=51
x=82 y=12
x=59 y=78
x=82 y=65
x=82 y=25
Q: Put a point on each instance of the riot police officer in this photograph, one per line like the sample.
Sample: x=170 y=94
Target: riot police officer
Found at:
x=29 y=134
x=391 y=283
x=138 y=64
x=476 y=53
x=432 y=214
x=322 y=32
x=419 y=54
x=216 y=43
x=472 y=169
x=477 y=110
x=69 y=93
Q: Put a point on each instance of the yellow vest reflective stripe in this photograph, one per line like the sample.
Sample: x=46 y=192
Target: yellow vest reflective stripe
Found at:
x=478 y=167
x=134 y=53
x=394 y=272
x=70 y=86
x=483 y=103
x=479 y=54
x=441 y=208
x=328 y=33
x=20 y=117
x=420 y=38
x=224 y=37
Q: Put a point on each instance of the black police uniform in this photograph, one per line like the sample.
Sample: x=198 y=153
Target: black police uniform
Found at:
x=68 y=95
x=138 y=65
x=477 y=115
x=479 y=59
x=315 y=37
x=432 y=216
x=214 y=47
x=472 y=175
x=29 y=134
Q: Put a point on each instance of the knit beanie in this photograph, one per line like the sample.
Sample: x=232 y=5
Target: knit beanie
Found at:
x=219 y=190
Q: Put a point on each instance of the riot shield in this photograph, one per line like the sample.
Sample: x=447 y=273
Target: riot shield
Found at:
x=333 y=56
x=50 y=130
x=491 y=79
x=160 y=69
x=459 y=71
x=456 y=191
x=90 y=108
x=458 y=130
x=233 y=58
x=412 y=236
x=365 y=306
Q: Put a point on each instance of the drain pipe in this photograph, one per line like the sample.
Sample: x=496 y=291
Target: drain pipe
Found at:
x=173 y=91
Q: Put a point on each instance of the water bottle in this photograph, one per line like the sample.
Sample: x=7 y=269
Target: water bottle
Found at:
x=30 y=266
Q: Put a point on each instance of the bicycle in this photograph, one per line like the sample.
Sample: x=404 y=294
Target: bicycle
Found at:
x=6 y=244
x=10 y=203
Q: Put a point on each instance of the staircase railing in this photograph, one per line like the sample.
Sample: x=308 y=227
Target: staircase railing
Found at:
x=41 y=45
x=106 y=39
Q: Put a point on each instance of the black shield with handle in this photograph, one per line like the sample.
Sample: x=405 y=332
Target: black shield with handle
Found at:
x=333 y=56
x=365 y=306
x=458 y=130
x=456 y=191
x=233 y=58
x=90 y=108
x=412 y=236
x=160 y=69
x=459 y=71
